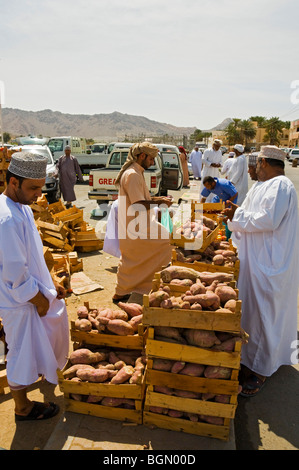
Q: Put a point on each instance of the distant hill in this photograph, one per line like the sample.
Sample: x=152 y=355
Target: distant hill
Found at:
x=101 y=126
x=223 y=125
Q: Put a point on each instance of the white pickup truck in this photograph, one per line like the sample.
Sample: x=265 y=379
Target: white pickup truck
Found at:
x=87 y=159
x=166 y=174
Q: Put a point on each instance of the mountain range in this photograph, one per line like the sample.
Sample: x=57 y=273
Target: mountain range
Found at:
x=107 y=127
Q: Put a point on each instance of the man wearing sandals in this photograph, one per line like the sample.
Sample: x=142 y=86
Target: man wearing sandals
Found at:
x=32 y=308
x=265 y=230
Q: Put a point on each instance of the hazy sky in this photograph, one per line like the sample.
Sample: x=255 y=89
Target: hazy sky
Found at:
x=182 y=62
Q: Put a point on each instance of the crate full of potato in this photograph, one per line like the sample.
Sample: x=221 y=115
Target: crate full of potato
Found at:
x=193 y=354
x=116 y=327
x=104 y=382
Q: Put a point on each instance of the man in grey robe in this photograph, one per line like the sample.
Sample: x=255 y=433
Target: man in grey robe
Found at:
x=68 y=170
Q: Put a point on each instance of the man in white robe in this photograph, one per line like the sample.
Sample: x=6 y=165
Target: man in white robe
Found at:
x=32 y=308
x=212 y=163
x=195 y=159
x=238 y=173
x=227 y=164
x=266 y=232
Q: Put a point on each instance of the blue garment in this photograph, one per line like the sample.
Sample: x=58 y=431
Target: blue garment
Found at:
x=223 y=190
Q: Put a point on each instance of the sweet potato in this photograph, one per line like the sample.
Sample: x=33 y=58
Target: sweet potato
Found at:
x=197 y=288
x=155 y=298
x=209 y=300
x=163 y=389
x=201 y=338
x=178 y=272
x=132 y=309
x=208 y=277
x=162 y=364
x=186 y=394
x=136 y=377
x=113 y=358
x=168 y=332
x=85 y=356
x=231 y=305
x=218 y=260
x=196 y=306
x=83 y=324
x=95 y=375
x=212 y=419
x=194 y=370
x=225 y=294
x=93 y=399
x=227 y=345
x=112 y=401
x=181 y=282
x=120 y=327
x=217 y=372
x=177 y=367
x=175 y=413
x=124 y=374
x=71 y=371
x=82 y=312
x=135 y=322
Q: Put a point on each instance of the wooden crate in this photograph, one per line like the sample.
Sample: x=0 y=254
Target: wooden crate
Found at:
x=196 y=244
x=201 y=266
x=135 y=392
x=180 y=318
x=101 y=339
x=96 y=338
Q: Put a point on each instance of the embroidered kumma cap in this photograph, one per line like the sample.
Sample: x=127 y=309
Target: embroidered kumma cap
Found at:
x=28 y=165
x=252 y=159
x=239 y=147
x=271 y=151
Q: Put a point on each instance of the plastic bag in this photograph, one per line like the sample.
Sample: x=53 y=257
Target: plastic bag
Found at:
x=166 y=220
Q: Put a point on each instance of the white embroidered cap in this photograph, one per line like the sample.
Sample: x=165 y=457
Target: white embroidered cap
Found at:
x=271 y=151
x=239 y=147
x=28 y=165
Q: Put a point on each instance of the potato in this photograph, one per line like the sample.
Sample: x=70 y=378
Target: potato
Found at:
x=178 y=272
x=208 y=278
x=225 y=294
x=168 y=332
x=82 y=312
x=162 y=364
x=217 y=372
x=155 y=298
x=71 y=371
x=177 y=367
x=194 y=370
x=83 y=324
x=197 y=288
x=132 y=309
x=218 y=260
x=201 y=338
x=209 y=300
x=85 y=356
x=181 y=282
x=112 y=401
x=123 y=375
x=95 y=375
x=231 y=305
x=135 y=322
x=120 y=327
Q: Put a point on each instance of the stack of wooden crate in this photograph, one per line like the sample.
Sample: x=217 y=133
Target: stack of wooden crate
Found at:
x=107 y=343
x=198 y=404
x=64 y=229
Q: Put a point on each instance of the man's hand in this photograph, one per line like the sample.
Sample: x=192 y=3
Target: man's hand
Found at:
x=230 y=210
x=163 y=200
x=61 y=292
x=42 y=304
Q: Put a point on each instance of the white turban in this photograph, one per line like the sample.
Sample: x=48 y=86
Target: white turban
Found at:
x=239 y=147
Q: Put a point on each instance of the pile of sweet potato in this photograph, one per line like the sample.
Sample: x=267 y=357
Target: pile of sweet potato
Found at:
x=218 y=253
x=123 y=321
x=206 y=291
x=195 y=229
x=215 y=341
x=106 y=367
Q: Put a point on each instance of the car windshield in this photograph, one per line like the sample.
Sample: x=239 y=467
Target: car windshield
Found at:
x=43 y=151
x=56 y=145
x=98 y=148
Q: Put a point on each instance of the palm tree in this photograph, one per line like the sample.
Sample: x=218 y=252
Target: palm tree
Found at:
x=232 y=132
x=261 y=120
x=248 y=131
x=274 y=128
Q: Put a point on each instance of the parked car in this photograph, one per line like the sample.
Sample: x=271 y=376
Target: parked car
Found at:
x=51 y=188
x=294 y=153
